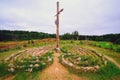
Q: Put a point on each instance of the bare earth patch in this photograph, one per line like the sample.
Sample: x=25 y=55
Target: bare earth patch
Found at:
x=58 y=72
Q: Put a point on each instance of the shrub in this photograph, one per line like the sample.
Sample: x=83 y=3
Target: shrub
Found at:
x=18 y=47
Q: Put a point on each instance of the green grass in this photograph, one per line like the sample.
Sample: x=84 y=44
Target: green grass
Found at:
x=20 y=73
x=106 y=45
x=26 y=76
x=109 y=72
x=112 y=54
x=21 y=76
x=34 y=75
x=8 y=53
x=3 y=69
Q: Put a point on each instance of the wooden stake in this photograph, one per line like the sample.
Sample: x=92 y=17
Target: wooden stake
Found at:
x=57 y=27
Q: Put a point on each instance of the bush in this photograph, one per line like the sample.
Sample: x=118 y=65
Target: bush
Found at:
x=18 y=47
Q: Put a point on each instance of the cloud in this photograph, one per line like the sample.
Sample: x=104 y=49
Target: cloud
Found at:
x=86 y=16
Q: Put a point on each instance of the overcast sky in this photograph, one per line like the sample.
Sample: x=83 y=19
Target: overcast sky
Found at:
x=88 y=17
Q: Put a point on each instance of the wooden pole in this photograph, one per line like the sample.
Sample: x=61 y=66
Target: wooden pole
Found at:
x=57 y=28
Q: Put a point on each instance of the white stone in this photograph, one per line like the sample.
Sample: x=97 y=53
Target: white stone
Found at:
x=49 y=59
x=36 y=65
x=31 y=65
x=77 y=67
x=105 y=62
x=70 y=64
x=10 y=65
x=12 y=69
x=96 y=67
x=78 y=59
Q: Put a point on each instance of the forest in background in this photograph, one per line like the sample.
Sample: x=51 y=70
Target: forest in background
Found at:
x=8 y=35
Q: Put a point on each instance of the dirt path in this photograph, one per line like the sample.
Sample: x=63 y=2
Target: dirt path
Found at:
x=112 y=60
x=57 y=72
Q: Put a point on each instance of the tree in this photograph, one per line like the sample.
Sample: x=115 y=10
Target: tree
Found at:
x=75 y=35
x=67 y=36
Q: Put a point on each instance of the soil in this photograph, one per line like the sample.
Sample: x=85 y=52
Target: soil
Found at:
x=56 y=71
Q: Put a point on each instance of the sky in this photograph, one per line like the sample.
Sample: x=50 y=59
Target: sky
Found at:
x=88 y=17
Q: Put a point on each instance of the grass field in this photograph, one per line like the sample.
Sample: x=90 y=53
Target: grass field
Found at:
x=106 y=45
x=46 y=46
x=110 y=72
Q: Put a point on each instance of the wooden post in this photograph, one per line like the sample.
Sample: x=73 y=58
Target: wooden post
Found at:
x=57 y=28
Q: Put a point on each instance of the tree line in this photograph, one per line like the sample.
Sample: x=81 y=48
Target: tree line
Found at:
x=7 y=35
x=114 y=38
